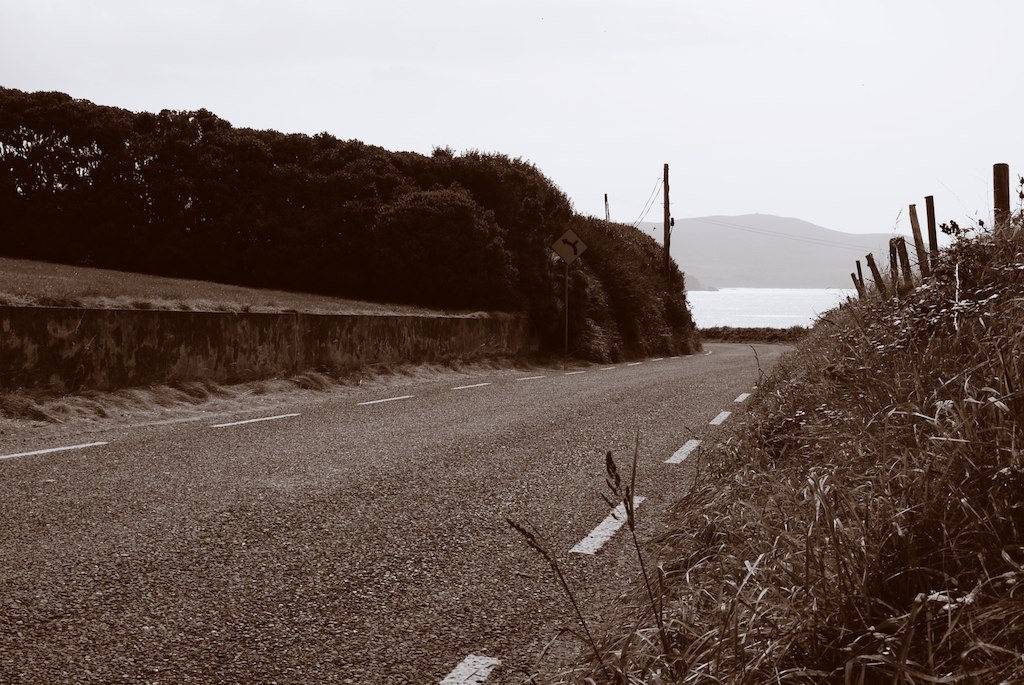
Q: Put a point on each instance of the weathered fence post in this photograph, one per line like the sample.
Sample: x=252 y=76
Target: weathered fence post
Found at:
x=933 y=238
x=922 y=255
x=894 y=270
x=908 y=275
x=879 y=283
x=1001 y=194
x=860 y=277
x=858 y=285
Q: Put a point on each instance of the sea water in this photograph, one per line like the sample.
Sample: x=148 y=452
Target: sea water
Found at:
x=763 y=307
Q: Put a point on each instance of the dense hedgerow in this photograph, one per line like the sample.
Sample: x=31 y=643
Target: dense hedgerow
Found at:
x=186 y=194
x=867 y=526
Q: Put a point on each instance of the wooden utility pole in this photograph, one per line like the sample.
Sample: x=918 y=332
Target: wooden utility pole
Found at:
x=875 y=274
x=933 y=238
x=1001 y=194
x=607 y=212
x=668 y=228
x=922 y=254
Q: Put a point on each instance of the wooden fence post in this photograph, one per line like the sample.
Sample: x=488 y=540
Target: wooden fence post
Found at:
x=908 y=275
x=858 y=285
x=933 y=238
x=1001 y=193
x=922 y=255
x=860 y=277
x=894 y=270
x=879 y=283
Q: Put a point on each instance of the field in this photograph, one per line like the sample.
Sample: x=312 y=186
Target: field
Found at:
x=32 y=283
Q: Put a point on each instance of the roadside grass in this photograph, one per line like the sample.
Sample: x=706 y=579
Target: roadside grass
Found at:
x=866 y=525
x=37 y=410
x=32 y=283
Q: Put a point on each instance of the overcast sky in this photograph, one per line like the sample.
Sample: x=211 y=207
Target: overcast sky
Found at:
x=838 y=113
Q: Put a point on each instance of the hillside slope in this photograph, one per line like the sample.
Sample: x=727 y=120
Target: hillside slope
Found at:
x=766 y=251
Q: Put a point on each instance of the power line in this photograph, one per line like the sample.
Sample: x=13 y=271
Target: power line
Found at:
x=648 y=205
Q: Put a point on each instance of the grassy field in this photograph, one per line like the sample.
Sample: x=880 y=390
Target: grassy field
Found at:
x=26 y=282
x=867 y=524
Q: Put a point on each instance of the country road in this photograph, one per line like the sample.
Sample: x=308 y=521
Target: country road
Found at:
x=355 y=538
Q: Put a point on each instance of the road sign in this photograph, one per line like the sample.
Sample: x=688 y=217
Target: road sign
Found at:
x=569 y=247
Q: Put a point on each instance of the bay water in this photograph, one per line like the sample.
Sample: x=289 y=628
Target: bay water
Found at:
x=763 y=307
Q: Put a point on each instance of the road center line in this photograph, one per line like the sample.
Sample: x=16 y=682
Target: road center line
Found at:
x=530 y=378
x=467 y=387
x=53 y=449
x=634 y=364
x=683 y=452
x=605 y=530
x=720 y=419
x=386 y=399
x=743 y=397
x=573 y=373
x=608 y=368
x=658 y=359
x=473 y=669
x=265 y=418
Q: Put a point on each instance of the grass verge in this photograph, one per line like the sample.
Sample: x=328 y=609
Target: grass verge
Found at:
x=753 y=335
x=867 y=523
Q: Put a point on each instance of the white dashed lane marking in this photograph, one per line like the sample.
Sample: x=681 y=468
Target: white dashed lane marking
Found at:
x=743 y=397
x=53 y=449
x=683 y=452
x=634 y=364
x=530 y=378
x=658 y=359
x=467 y=387
x=473 y=669
x=265 y=418
x=608 y=368
x=573 y=373
x=720 y=419
x=605 y=530
x=386 y=399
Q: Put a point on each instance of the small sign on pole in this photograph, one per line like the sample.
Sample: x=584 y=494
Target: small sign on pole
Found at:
x=569 y=247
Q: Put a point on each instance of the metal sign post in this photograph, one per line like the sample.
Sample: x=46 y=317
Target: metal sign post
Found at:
x=569 y=247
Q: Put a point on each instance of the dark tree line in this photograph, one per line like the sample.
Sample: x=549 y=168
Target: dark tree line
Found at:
x=187 y=194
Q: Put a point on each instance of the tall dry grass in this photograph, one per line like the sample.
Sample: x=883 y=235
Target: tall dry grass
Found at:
x=867 y=525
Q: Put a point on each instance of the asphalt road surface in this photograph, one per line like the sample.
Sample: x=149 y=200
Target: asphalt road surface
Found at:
x=344 y=539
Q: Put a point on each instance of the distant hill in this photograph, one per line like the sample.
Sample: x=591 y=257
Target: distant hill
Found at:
x=765 y=251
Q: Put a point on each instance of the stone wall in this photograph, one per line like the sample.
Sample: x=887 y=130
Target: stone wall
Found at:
x=66 y=349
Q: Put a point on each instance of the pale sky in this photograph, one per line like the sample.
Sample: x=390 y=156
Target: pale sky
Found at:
x=837 y=113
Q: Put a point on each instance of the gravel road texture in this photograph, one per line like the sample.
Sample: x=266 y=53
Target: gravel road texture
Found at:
x=349 y=544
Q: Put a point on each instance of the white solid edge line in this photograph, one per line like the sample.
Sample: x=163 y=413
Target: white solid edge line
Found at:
x=573 y=373
x=53 y=449
x=720 y=419
x=683 y=452
x=467 y=387
x=473 y=669
x=634 y=364
x=743 y=397
x=530 y=378
x=386 y=399
x=605 y=530
x=265 y=418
